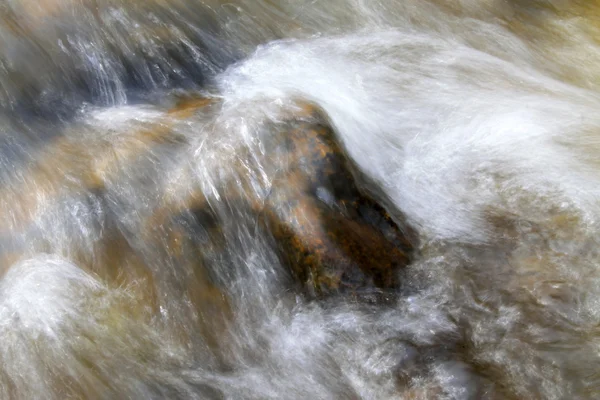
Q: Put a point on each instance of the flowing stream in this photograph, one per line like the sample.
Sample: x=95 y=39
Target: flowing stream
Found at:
x=133 y=134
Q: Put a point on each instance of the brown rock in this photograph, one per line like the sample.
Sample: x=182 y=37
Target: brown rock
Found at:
x=333 y=235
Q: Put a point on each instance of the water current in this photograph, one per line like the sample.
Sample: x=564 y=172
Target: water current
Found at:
x=144 y=143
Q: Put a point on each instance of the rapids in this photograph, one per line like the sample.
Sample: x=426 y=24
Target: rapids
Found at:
x=125 y=124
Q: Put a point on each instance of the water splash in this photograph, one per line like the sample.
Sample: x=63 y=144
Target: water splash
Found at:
x=136 y=135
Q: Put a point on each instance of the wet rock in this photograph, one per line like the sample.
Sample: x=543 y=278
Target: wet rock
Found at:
x=333 y=235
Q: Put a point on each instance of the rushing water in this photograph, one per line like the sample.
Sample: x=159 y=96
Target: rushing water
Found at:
x=477 y=119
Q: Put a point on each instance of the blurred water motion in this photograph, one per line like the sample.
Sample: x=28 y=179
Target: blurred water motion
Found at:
x=299 y=199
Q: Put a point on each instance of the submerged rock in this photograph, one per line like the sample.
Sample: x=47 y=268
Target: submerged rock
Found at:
x=293 y=182
x=301 y=189
x=332 y=234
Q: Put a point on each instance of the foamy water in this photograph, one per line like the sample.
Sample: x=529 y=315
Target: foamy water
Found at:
x=477 y=121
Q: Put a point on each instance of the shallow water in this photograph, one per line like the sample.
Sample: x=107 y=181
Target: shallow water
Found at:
x=475 y=120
